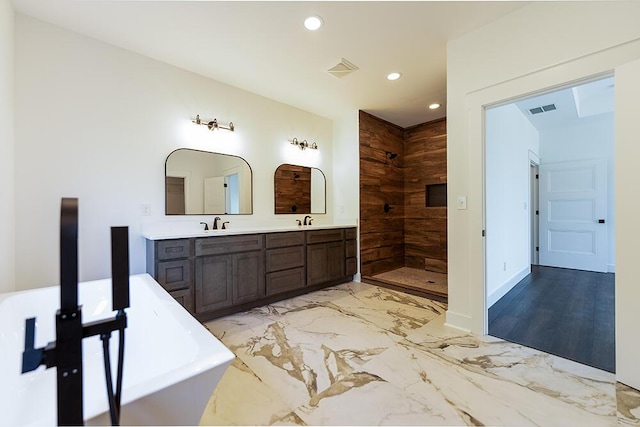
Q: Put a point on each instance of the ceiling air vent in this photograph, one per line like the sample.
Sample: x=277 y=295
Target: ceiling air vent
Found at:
x=342 y=68
x=542 y=109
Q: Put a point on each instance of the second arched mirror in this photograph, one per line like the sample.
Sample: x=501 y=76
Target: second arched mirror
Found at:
x=299 y=190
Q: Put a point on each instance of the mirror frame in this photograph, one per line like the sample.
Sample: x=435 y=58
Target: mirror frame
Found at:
x=206 y=152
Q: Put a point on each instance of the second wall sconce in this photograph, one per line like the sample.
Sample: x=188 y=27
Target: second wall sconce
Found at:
x=212 y=124
x=303 y=144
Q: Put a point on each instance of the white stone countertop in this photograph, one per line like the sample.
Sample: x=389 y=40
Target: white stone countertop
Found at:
x=164 y=235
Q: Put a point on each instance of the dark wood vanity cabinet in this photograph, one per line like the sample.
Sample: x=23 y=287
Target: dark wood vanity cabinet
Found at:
x=229 y=270
x=325 y=256
x=169 y=262
x=351 y=251
x=285 y=261
x=215 y=276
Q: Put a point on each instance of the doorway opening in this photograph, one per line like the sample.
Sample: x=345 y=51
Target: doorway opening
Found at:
x=550 y=258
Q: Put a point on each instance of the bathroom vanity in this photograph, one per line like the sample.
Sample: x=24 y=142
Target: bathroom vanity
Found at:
x=218 y=273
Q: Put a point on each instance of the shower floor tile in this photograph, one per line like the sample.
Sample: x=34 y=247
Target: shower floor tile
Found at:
x=414 y=278
x=358 y=354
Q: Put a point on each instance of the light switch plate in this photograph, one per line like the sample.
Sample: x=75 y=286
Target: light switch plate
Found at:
x=462 y=202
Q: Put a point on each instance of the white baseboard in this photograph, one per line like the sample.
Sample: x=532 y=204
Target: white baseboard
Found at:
x=357 y=277
x=611 y=268
x=458 y=321
x=507 y=286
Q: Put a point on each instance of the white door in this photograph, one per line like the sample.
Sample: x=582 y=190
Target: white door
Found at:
x=214 y=195
x=573 y=209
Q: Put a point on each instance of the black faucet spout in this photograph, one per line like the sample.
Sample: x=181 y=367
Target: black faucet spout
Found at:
x=307 y=220
x=215 y=222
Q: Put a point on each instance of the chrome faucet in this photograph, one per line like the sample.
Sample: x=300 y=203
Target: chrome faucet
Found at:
x=215 y=223
x=206 y=226
x=307 y=218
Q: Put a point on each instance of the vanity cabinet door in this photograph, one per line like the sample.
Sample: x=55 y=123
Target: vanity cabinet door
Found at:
x=214 y=283
x=248 y=276
x=316 y=264
x=335 y=260
x=325 y=262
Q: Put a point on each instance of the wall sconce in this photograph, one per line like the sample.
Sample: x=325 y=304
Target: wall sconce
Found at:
x=303 y=144
x=212 y=124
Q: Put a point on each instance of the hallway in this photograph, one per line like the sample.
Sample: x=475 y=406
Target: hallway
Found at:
x=569 y=313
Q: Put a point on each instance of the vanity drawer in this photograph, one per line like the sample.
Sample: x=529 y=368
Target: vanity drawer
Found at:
x=284 y=258
x=350 y=248
x=279 y=240
x=172 y=249
x=324 y=236
x=174 y=275
x=229 y=244
x=283 y=281
x=351 y=233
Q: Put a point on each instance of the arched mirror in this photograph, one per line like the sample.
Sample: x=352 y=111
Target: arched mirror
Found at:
x=201 y=183
x=299 y=190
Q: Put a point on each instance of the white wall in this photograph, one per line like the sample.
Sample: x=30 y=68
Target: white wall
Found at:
x=509 y=138
x=589 y=138
x=7 y=269
x=346 y=170
x=627 y=152
x=96 y=122
x=501 y=61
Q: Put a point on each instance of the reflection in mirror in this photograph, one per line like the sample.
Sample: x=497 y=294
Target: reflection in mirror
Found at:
x=200 y=182
x=299 y=190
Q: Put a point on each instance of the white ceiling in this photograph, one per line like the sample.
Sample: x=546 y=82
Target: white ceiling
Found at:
x=572 y=104
x=262 y=47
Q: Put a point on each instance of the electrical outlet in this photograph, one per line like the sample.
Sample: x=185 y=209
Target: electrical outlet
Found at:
x=146 y=209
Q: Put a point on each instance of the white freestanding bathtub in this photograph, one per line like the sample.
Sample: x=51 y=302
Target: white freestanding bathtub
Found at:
x=172 y=363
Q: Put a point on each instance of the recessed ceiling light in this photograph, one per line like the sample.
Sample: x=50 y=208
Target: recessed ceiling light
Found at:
x=434 y=106
x=393 y=76
x=312 y=23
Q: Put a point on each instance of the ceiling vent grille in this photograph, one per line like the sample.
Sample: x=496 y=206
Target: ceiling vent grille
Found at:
x=342 y=68
x=543 y=109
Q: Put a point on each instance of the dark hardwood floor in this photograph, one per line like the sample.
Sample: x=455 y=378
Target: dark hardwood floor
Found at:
x=569 y=313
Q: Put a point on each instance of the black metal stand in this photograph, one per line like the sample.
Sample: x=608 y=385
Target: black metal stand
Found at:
x=66 y=352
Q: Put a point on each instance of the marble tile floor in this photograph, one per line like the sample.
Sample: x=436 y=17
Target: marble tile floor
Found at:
x=358 y=354
x=415 y=278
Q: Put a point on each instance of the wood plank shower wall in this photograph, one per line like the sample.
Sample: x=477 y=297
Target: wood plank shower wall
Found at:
x=410 y=234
